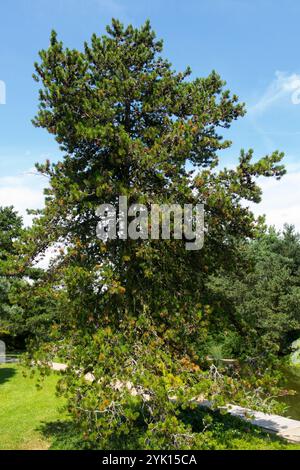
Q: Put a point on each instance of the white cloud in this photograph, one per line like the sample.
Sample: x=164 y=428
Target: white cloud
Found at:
x=284 y=85
x=281 y=199
x=24 y=191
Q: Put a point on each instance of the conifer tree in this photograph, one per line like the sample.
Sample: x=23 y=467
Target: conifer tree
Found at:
x=137 y=312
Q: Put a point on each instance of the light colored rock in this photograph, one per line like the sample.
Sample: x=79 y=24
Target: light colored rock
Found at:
x=89 y=377
x=295 y=355
x=58 y=366
x=296 y=344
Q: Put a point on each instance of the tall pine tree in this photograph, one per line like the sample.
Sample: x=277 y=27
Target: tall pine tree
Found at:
x=137 y=311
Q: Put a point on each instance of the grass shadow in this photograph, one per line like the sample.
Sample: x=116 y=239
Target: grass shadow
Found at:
x=224 y=432
x=6 y=373
x=227 y=428
x=62 y=435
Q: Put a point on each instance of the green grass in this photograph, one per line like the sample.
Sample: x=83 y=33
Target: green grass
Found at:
x=26 y=410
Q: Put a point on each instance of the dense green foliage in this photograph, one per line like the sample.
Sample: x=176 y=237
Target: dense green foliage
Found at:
x=258 y=304
x=10 y=231
x=142 y=316
x=27 y=308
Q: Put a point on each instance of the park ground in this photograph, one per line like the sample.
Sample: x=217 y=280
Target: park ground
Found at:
x=27 y=412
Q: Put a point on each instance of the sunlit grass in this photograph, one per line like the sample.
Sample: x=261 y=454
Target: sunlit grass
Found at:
x=24 y=409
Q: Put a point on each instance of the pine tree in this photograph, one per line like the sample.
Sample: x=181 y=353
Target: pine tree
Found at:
x=137 y=311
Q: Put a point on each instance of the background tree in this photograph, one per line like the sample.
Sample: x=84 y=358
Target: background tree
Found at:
x=10 y=230
x=138 y=311
x=28 y=307
x=259 y=301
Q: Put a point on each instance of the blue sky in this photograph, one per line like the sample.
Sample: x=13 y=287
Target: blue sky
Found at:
x=253 y=44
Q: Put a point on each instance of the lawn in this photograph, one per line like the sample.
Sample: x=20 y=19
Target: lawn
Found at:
x=25 y=410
